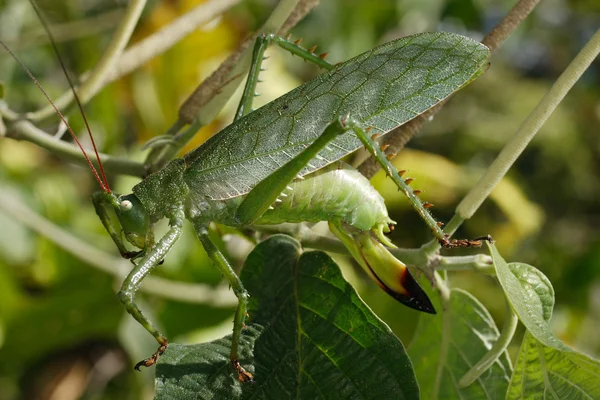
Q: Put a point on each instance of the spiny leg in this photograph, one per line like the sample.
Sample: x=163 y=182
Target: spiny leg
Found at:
x=262 y=42
x=264 y=194
x=151 y=259
x=238 y=288
x=404 y=185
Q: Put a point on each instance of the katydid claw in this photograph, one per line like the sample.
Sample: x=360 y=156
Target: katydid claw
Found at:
x=243 y=375
x=130 y=254
x=153 y=359
x=454 y=243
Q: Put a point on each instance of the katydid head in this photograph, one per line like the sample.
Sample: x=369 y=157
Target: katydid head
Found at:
x=134 y=220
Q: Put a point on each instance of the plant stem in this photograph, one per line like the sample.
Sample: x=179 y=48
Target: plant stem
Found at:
x=305 y=235
x=117 y=267
x=478 y=262
x=107 y=62
x=508 y=331
x=210 y=96
x=138 y=54
x=444 y=291
x=513 y=149
x=27 y=131
x=398 y=137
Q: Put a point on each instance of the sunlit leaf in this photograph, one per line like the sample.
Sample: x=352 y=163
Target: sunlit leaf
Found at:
x=531 y=296
x=309 y=337
x=468 y=331
x=543 y=372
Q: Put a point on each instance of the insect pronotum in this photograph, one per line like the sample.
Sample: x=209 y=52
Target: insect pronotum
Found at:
x=280 y=163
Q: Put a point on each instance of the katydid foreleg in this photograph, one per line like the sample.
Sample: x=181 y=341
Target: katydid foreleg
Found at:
x=130 y=286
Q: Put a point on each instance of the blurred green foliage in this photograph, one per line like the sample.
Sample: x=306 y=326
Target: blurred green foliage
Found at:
x=61 y=326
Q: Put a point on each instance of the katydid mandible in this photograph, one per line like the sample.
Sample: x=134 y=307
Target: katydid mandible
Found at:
x=280 y=164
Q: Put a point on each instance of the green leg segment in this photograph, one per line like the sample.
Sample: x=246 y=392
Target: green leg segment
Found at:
x=236 y=284
x=404 y=185
x=263 y=195
x=151 y=259
x=100 y=199
x=262 y=42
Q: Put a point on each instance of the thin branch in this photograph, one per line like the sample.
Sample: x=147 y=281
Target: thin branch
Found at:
x=305 y=235
x=161 y=41
x=219 y=86
x=25 y=130
x=398 y=137
x=117 y=267
x=508 y=331
x=445 y=293
x=496 y=37
x=302 y=8
x=68 y=31
x=479 y=262
x=202 y=106
x=131 y=59
x=107 y=62
x=528 y=129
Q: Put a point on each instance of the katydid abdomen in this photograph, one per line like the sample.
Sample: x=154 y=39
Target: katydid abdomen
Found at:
x=335 y=193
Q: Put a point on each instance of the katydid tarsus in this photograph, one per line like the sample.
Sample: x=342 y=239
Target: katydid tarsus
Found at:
x=280 y=163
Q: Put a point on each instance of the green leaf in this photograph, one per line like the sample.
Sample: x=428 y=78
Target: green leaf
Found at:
x=543 y=372
x=531 y=296
x=469 y=331
x=309 y=336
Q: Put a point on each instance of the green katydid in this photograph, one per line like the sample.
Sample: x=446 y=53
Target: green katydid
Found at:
x=280 y=163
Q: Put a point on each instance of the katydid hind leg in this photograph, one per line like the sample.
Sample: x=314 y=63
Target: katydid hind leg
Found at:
x=412 y=195
x=151 y=259
x=238 y=288
x=266 y=192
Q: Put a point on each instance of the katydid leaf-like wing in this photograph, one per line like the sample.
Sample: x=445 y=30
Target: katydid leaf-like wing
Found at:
x=383 y=88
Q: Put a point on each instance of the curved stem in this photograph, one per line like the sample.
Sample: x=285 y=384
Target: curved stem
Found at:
x=305 y=235
x=71 y=30
x=159 y=42
x=106 y=63
x=210 y=96
x=398 y=138
x=508 y=331
x=117 y=267
x=528 y=129
x=478 y=262
x=445 y=293
x=27 y=131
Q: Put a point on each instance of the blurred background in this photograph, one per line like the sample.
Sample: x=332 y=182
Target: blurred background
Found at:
x=64 y=335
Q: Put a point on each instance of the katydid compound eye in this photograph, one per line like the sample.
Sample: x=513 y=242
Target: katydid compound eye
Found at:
x=126 y=205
